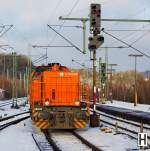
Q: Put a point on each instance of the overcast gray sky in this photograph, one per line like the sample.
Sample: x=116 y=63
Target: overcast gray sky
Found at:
x=30 y=19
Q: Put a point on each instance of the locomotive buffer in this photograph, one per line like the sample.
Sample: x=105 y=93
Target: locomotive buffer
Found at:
x=95 y=41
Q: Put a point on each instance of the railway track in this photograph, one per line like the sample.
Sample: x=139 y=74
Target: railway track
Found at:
x=89 y=144
x=123 y=126
x=5 y=103
x=9 y=123
x=9 y=102
x=58 y=139
x=41 y=144
x=13 y=116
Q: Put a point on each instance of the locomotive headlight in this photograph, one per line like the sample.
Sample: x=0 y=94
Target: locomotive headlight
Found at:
x=47 y=103
x=77 y=102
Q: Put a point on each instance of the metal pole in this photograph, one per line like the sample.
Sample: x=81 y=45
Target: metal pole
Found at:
x=111 y=73
x=106 y=84
x=109 y=20
x=99 y=68
x=28 y=72
x=94 y=80
x=84 y=36
x=110 y=90
x=13 y=82
x=16 y=87
x=7 y=73
x=100 y=88
x=24 y=83
x=20 y=85
x=46 y=56
x=135 y=84
x=99 y=62
x=135 y=77
x=4 y=72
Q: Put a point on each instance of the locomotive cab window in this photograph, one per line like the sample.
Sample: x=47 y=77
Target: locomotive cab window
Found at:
x=53 y=94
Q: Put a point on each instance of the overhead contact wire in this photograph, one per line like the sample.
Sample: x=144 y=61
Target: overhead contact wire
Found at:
x=126 y=44
x=75 y=4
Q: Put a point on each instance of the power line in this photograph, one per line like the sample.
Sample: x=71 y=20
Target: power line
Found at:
x=77 y=48
x=68 y=26
x=128 y=30
x=143 y=35
x=131 y=34
x=83 y=65
x=75 y=4
x=36 y=46
x=125 y=43
x=57 y=5
x=40 y=59
x=61 y=25
x=9 y=27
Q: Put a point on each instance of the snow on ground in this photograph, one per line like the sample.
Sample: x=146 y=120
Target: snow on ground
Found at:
x=140 y=107
x=8 y=111
x=109 y=141
x=67 y=142
x=15 y=118
x=19 y=137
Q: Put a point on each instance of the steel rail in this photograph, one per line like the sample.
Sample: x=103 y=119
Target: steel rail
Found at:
x=122 y=120
x=86 y=142
x=125 y=129
x=12 y=116
x=121 y=127
x=36 y=143
x=79 y=137
x=13 y=122
x=50 y=140
x=5 y=104
x=125 y=114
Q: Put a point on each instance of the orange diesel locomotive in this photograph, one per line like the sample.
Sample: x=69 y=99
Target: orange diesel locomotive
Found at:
x=58 y=99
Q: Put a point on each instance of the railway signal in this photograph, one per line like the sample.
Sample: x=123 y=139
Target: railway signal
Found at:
x=103 y=80
x=103 y=72
x=95 y=41
x=95 y=17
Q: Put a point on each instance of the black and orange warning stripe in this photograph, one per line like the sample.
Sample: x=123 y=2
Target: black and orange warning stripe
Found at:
x=40 y=123
x=79 y=123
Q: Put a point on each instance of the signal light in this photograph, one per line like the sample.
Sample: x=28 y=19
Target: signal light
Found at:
x=95 y=42
x=103 y=72
x=95 y=18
